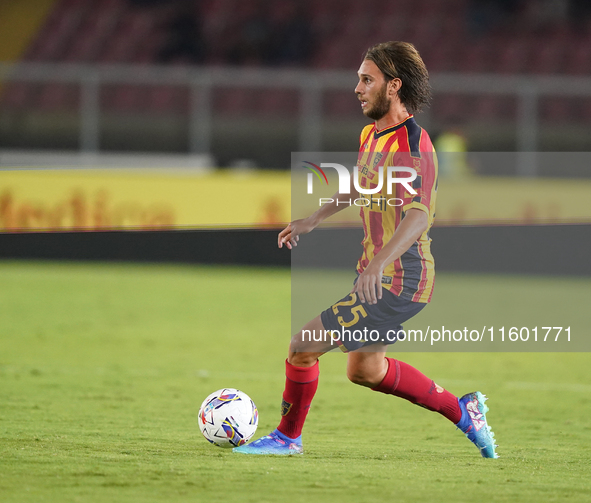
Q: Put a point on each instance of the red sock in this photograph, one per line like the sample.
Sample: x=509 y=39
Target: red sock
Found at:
x=300 y=387
x=407 y=382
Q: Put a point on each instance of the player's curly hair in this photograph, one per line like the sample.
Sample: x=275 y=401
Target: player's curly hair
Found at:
x=401 y=60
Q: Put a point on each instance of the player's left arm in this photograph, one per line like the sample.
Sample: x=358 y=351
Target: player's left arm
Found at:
x=369 y=283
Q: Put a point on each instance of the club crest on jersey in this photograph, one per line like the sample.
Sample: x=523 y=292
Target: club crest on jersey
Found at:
x=285 y=407
x=377 y=158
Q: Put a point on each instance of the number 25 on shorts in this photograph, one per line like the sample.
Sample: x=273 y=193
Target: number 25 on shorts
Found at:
x=355 y=311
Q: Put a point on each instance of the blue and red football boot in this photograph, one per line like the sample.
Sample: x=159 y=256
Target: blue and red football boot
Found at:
x=274 y=443
x=473 y=423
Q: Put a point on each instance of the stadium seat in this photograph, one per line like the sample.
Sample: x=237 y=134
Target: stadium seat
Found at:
x=168 y=99
x=428 y=31
x=578 y=57
x=279 y=102
x=494 y=108
x=584 y=109
x=403 y=8
x=59 y=97
x=475 y=58
x=391 y=27
x=132 y=32
x=547 y=58
x=340 y=104
x=554 y=109
x=232 y=102
x=54 y=39
x=17 y=96
x=124 y=98
x=450 y=107
x=513 y=57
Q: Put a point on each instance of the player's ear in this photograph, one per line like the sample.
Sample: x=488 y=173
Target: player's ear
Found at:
x=394 y=86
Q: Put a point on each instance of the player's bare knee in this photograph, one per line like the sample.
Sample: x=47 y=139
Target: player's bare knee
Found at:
x=360 y=377
x=300 y=354
x=298 y=345
x=302 y=359
x=301 y=344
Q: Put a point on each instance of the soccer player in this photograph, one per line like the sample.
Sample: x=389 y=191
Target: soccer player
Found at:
x=396 y=270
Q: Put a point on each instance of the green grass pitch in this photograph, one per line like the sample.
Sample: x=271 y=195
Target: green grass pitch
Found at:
x=103 y=368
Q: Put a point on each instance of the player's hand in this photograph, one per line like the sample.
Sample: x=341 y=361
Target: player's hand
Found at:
x=291 y=234
x=369 y=284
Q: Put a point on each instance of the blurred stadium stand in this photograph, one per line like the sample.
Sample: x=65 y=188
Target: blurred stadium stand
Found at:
x=123 y=31
x=494 y=38
x=254 y=80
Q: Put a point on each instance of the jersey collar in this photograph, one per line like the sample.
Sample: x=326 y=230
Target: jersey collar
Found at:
x=391 y=129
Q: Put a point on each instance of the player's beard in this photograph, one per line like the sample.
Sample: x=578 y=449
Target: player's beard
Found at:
x=381 y=105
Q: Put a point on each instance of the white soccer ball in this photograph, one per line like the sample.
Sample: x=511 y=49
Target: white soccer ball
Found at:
x=228 y=418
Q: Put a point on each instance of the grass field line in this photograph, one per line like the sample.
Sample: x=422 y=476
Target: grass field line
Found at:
x=76 y=370
x=549 y=386
x=271 y=377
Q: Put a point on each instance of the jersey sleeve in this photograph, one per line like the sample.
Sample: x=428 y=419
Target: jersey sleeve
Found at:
x=425 y=184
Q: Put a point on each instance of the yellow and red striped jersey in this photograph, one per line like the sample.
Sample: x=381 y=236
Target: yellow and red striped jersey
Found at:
x=405 y=145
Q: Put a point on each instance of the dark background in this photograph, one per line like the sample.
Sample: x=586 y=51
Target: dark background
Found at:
x=541 y=249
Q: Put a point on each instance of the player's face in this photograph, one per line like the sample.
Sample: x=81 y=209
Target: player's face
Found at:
x=372 y=91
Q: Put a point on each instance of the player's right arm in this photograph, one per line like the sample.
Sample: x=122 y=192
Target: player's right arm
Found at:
x=291 y=234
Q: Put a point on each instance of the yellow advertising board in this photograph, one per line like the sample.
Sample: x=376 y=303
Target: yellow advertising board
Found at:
x=513 y=201
x=85 y=199
x=90 y=199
